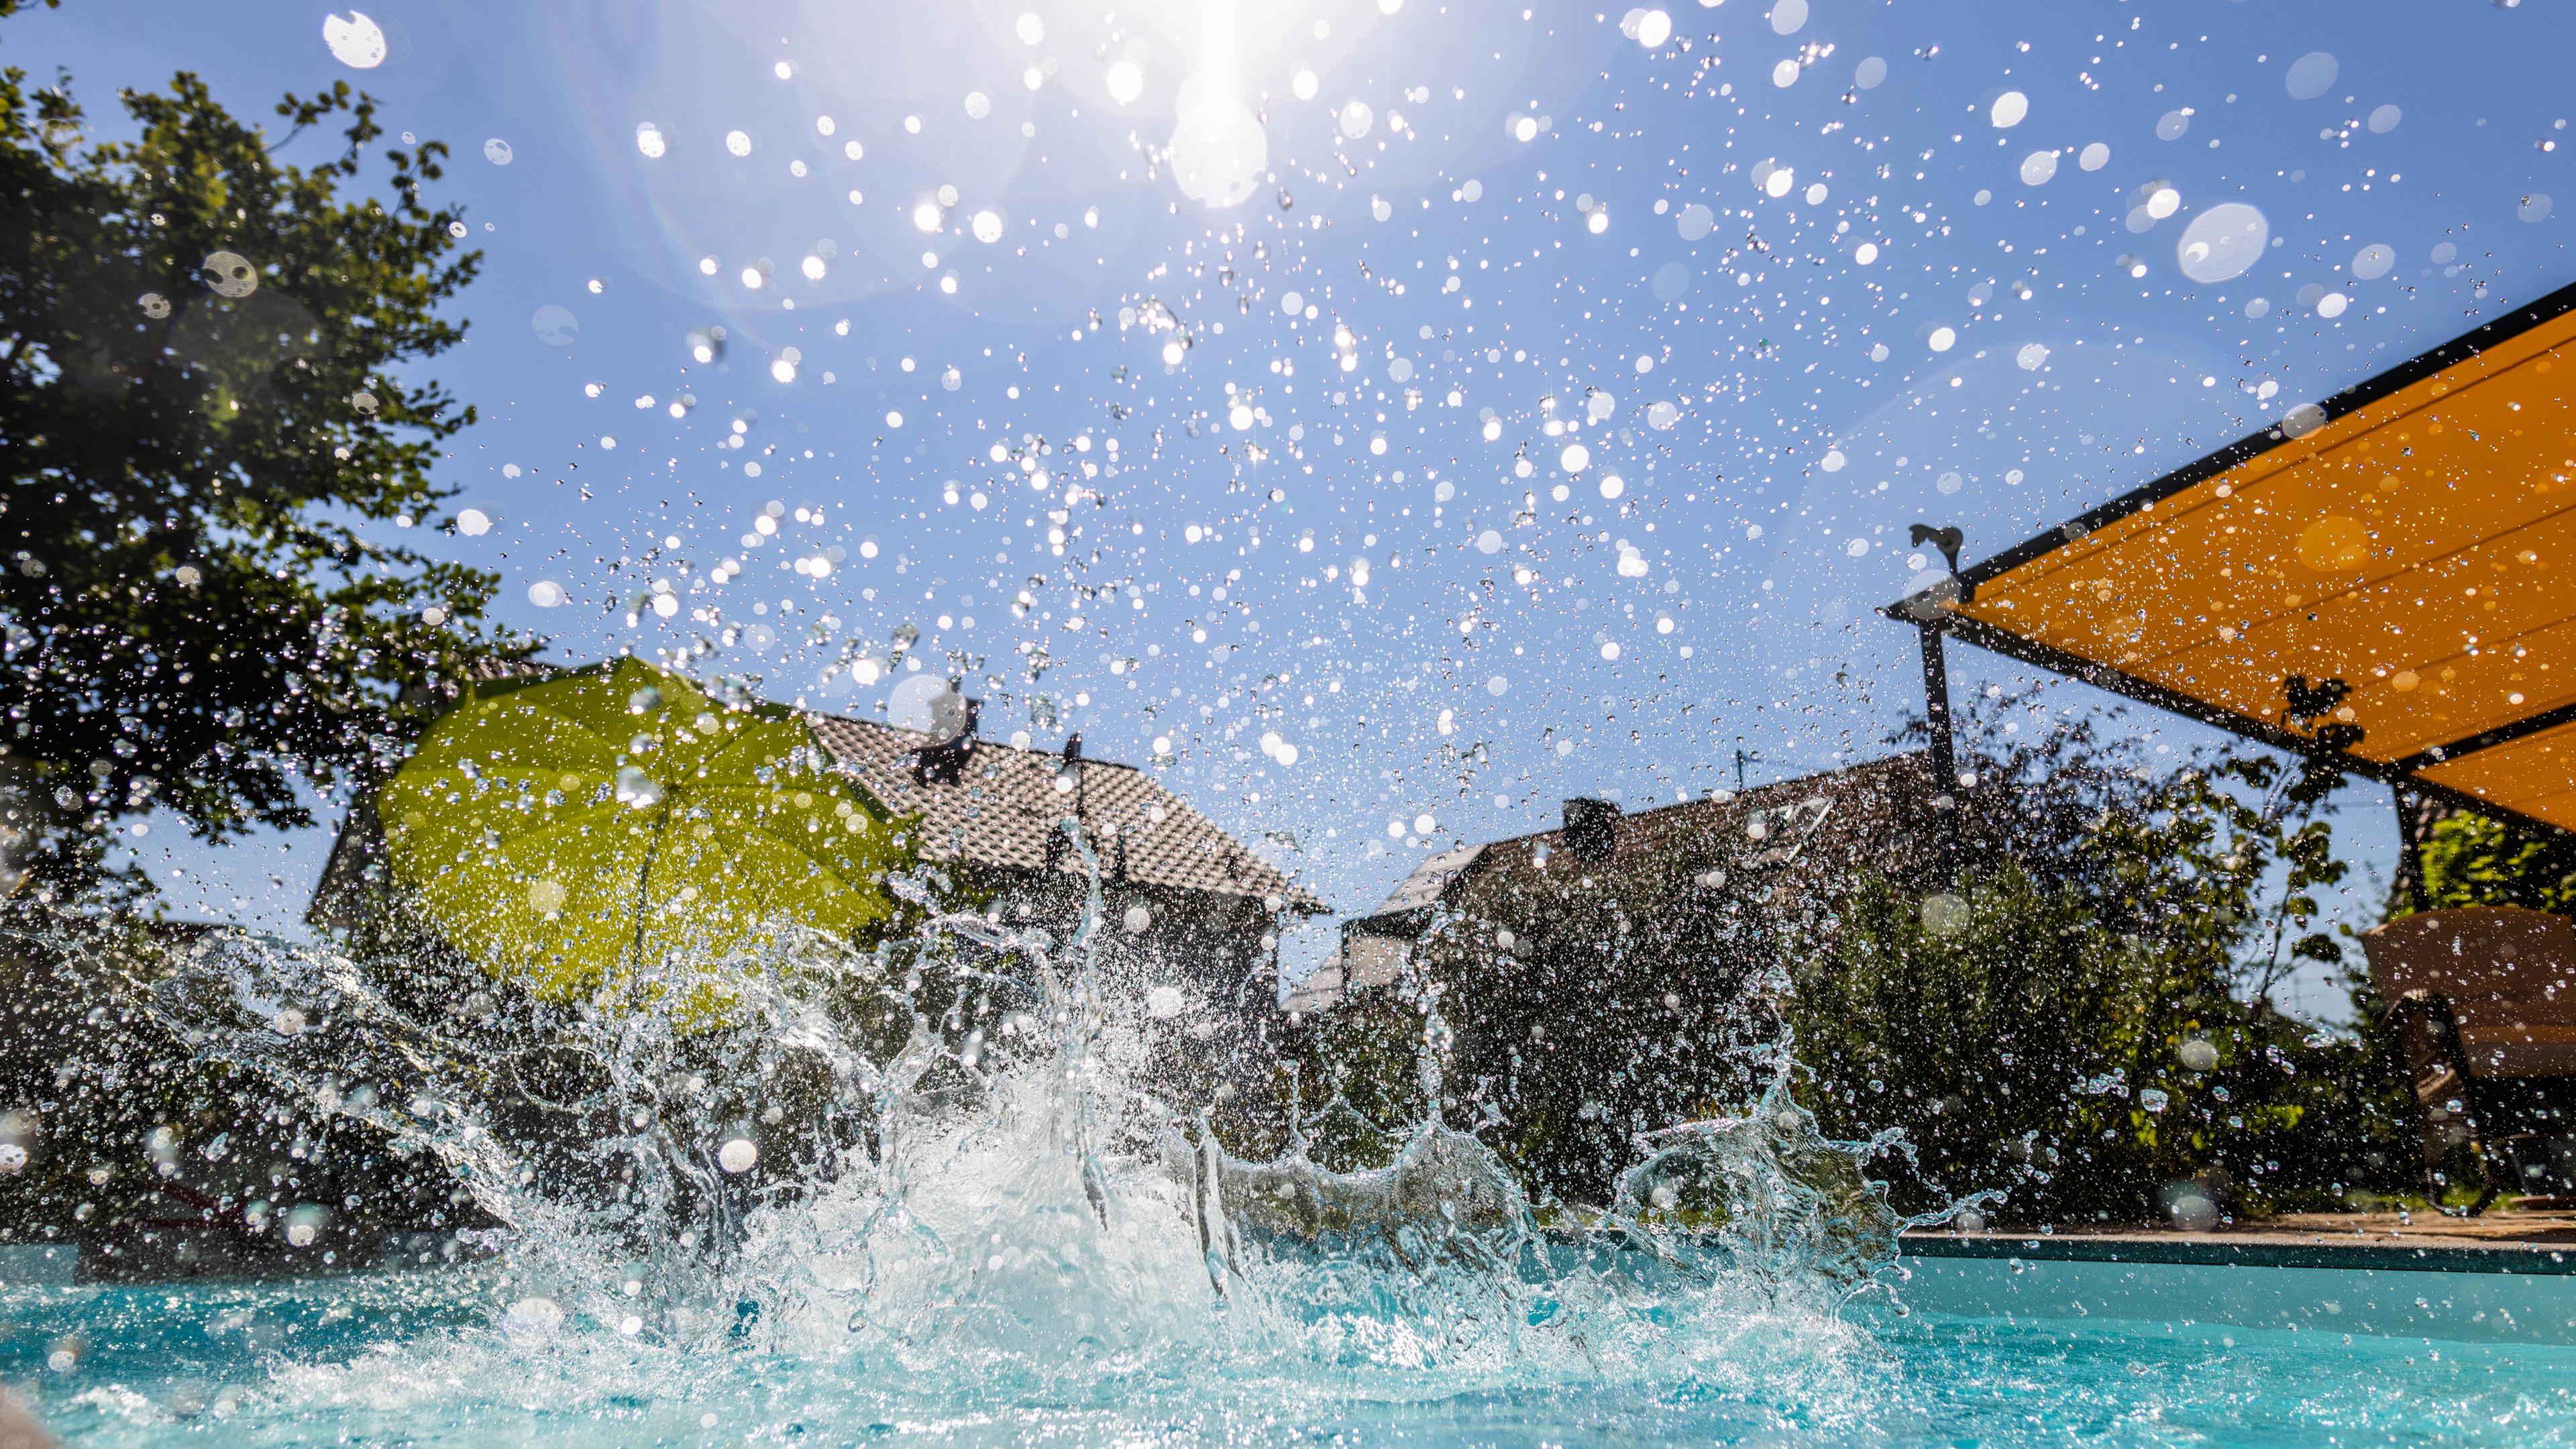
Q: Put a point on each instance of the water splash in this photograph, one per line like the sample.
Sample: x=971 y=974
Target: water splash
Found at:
x=938 y=1164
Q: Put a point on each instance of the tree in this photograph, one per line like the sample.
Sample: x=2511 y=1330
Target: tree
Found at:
x=2476 y=860
x=2085 y=1019
x=205 y=404
x=2082 y=1018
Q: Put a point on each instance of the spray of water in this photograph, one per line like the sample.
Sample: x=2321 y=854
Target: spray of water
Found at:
x=938 y=1166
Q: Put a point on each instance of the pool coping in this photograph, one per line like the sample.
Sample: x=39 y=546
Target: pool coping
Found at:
x=2416 y=1256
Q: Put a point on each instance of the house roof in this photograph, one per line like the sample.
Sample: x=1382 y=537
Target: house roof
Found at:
x=1787 y=814
x=1006 y=803
x=1430 y=879
x=998 y=814
x=1806 y=827
x=2380 y=578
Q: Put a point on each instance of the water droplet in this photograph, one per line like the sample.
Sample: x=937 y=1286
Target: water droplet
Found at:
x=2222 y=242
x=230 y=274
x=2310 y=75
x=356 y=42
x=2302 y=420
x=555 y=326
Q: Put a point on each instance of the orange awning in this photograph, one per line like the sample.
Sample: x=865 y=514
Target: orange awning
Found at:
x=2388 y=577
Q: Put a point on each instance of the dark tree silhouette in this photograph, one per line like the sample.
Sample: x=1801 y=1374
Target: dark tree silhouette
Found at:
x=205 y=411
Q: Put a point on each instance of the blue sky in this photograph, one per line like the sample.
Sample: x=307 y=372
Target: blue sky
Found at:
x=1755 y=298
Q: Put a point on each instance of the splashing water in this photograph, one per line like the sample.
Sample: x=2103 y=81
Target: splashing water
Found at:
x=985 y=1195
x=852 y=1204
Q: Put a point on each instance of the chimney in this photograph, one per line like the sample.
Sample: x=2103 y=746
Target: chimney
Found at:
x=945 y=762
x=1591 y=828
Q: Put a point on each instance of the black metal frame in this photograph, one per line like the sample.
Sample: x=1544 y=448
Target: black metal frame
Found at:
x=1935 y=620
x=1945 y=750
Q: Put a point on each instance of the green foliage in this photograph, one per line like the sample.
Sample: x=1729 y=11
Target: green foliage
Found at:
x=1626 y=1001
x=204 y=405
x=2475 y=860
x=2034 y=1049
x=2041 y=1040
x=128 y=1132
x=2029 y=1033
x=1352 y=1082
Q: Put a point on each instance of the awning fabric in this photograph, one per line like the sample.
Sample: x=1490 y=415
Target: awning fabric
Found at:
x=2390 y=574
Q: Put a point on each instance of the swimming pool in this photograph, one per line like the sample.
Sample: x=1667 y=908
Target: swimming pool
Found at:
x=1995 y=1351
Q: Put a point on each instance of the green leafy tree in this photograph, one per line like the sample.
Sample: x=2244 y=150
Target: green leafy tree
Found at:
x=2476 y=860
x=206 y=414
x=2086 y=1019
x=206 y=410
x=1628 y=1001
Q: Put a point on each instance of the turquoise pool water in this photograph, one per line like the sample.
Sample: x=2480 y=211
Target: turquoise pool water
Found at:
x=442 y=1358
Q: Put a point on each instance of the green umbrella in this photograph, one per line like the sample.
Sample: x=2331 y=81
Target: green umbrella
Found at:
x=575 y=831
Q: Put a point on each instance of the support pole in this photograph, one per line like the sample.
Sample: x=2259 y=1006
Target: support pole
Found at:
x=1945 y=759
x=2410 y=884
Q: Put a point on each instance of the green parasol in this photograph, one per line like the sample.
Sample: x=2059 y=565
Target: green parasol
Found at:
x=576 y=830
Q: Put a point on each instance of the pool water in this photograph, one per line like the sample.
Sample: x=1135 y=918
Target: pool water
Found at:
x=435 y=1358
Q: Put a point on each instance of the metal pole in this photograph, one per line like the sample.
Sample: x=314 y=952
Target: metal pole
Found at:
x=1945 y=760
x=2410 y=858
x=1936 y=711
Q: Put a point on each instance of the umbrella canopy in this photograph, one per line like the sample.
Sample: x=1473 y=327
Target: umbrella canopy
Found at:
x=575 y=830
x=2381 y=577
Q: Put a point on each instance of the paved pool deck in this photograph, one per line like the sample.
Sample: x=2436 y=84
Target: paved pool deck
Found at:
x=2500 y=1241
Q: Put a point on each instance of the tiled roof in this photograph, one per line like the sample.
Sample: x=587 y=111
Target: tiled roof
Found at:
x=1001 y=811
x=1429 y=879
x=1789 y=833
x=1861 y=800
x=1005 y=804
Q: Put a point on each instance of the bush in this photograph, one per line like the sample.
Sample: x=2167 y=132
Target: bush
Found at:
x=2092 y=1074
x=2086 y=1021
x=2474 y=860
